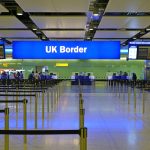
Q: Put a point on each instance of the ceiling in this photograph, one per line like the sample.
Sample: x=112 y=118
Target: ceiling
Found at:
x=122 y=20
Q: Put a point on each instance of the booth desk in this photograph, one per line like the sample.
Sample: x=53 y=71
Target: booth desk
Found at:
x=84 y=80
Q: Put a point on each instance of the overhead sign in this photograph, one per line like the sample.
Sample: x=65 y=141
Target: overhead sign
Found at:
x=66 y=50
x=140 y=43
x=139 y=50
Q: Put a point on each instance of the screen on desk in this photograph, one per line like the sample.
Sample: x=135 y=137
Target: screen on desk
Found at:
x=132 y=54
x=2 y=52
x=143 y=52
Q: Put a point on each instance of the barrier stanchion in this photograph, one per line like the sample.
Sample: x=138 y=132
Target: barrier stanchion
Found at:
x=81 y=101
x=43 y=94
x=83 y=139
x=82 y=112
x=129 y=93
x=35 y=111
x=16 y=100
x=51 y=98
x=124 y=90
x=47 y=100
x=30 y=98
x=25 y=118
x=6 y=128
x=80 y=95
x=143 y=101
x=6 y=98
x=134 y=99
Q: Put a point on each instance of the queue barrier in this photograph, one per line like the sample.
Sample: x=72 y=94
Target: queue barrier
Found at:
x=81 y=132
x=6 y=112
x=120 y=87
x=24 y=101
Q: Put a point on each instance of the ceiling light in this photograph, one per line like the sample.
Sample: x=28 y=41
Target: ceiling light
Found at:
x=34 y=29
x=91 y=29
x=96 y=14
x=148 y=29
x=19 y=12
x=43 y=37
x=88 y=38
x=134 y=38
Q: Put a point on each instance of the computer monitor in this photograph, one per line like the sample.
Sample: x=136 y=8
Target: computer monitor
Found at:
x=2 y=52
x=132 y=52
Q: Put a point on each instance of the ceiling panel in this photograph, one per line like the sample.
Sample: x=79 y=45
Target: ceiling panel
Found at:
x=69 y=39
x=124 y=22
x=59 y=22
x=15 y=33
x=10 y=22
x=127 y=6
x=146 y=35
x=64 y=34
x=110 y=40
x=2 y=9
x=11 y=40
x=114 y=34
x=145 y=6
x=54 y=5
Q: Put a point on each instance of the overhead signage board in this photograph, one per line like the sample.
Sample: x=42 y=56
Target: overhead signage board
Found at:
x=66 y=50
x=139 y=50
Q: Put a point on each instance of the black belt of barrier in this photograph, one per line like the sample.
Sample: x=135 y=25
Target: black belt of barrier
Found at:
x=22 y=91
x=2 y=111
x=12 y=101
x=13 y=87
x=17 y=95
x=39 y=132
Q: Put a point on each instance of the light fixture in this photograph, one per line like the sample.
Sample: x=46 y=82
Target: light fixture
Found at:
x=34 y=29
x=88 y=38
x=134 y=38
x=91 y=29
x=96 y=14
x=148 y=29
x=43 y=37
x=19 y=12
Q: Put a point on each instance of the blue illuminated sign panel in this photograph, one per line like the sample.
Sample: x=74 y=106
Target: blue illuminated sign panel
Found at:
x=66 y=50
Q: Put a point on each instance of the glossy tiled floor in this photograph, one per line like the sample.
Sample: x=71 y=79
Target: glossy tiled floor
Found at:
x=112 y=123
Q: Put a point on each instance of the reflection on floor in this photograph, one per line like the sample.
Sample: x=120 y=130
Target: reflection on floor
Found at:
x=112 y=123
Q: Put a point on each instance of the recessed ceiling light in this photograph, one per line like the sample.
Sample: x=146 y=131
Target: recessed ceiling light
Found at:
x=43 y=37
x=19 y=13
x=88 y=38
x=95 y=14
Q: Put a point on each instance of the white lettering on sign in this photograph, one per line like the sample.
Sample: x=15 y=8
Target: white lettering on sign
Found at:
x=51 y=49
x=76 y=49
x=63 y=49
